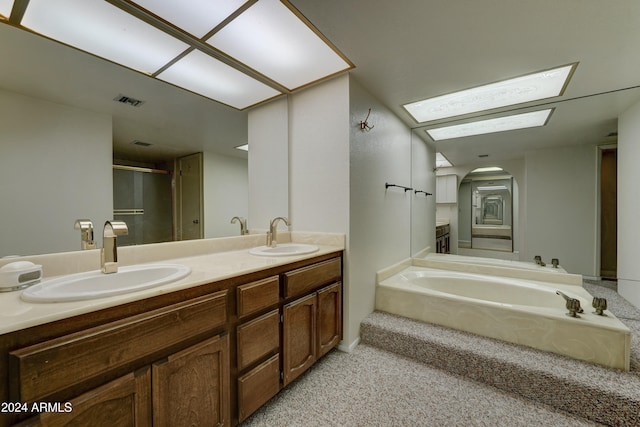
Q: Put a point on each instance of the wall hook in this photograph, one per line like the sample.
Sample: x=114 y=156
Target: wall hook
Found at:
x=364 y=125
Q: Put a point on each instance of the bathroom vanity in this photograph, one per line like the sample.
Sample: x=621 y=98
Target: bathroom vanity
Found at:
x=208 y=354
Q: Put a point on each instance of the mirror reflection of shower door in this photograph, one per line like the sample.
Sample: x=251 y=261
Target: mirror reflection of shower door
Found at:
x=142 y=199
x=190 y=206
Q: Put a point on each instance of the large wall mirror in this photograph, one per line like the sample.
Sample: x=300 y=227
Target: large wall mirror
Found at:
x=486 y=211
x=68 y=116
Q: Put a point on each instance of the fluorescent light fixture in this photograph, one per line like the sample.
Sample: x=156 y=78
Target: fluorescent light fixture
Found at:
x=500 y=124
x=197 y=17
x=493 y=188
x=487 y=169
x=244 y=147
x=271 y=39
x=5 y=8
x=97 y=27
x=532 y=87
x=442 y=162
x=202 y=74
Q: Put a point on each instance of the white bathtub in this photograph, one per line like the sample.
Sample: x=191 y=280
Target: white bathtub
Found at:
x=515 y=310
x=499 y=267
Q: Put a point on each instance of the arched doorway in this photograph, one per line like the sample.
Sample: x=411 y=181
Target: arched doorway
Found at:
x=487 y=201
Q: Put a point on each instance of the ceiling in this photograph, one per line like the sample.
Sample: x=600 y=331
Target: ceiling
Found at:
x=402 y=51
x=413 y=49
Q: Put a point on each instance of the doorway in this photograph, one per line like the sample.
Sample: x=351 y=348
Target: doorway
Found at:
x=189 y=189
x=609 y=213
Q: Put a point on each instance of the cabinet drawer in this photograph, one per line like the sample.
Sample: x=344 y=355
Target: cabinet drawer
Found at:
x=258 y=338
x=304 y=280
x=258 y=386
x=42 y=369
x=256 y=296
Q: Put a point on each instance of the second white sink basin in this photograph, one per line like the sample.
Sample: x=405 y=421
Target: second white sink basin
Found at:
x=284 y=249
x=95 y=284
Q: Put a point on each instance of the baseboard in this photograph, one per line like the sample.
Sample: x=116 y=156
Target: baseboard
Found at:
x=348 y=348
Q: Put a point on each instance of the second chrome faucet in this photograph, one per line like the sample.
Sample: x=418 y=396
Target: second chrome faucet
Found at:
x=272 y=235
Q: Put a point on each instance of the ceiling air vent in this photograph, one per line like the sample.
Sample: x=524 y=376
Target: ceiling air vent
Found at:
x=141 y=143
x=128 y=100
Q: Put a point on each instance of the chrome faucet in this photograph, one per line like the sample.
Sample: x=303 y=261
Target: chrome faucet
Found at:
x=573 y=304
x=538 y=260
x=86 y=233
x=109 y=252
x=243 y=224
x=273 y=231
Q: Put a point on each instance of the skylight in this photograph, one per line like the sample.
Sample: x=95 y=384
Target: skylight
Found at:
x=442 y=162
x=531 y=87
x=500 y=124
x=270 y=38
x=196 y=17
x=5 y=8
x=236 y=52
x=487 y=169
x=104 y=30
x=209 y=77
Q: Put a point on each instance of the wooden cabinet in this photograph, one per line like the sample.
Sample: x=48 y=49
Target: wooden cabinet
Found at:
x=312 y=326
x=125 y=401
x=329 y=318
x=442 y=239
x=209 y=355
x=299 y=337
x=187 y=388
x=190 y=388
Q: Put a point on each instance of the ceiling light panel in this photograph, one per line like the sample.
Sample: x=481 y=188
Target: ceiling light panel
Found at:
x=442 y=162
x=532 y=87
x=196 y=17
x=5 y=8
x=272 y=40
x=487 y=169
x=500 y=124
x=202 y=74
x=97 y=27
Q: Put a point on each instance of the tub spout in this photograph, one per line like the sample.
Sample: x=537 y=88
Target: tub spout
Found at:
x=538 y=260
x=573 y=304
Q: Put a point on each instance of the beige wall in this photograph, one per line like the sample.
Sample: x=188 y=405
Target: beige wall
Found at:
x=55 y=167
x=629 y=205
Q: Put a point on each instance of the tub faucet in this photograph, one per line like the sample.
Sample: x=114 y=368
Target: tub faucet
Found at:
x=538 y=260
x=109 y=252
x=243 y=224
x=86 y=233
x=273 y=231
x=555 y=262
x=600 y=304
x=573 y=305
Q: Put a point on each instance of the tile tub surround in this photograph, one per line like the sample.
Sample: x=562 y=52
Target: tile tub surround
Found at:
x=209 y=260
x=518 y=311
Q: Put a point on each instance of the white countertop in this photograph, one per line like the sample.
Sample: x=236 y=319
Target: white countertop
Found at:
x=16 y=314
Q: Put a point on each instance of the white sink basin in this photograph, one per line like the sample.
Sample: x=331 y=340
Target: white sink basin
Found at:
x=95 y=284
x=284 y=249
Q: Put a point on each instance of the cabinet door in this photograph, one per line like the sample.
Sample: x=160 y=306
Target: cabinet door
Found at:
x=125 y=401
x=298 y=337
x=329 y=318
x=190 y=388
